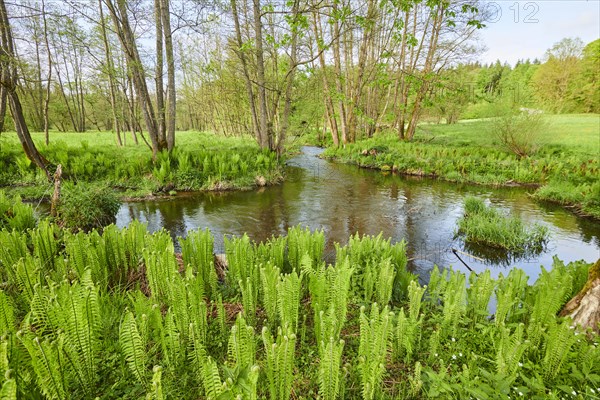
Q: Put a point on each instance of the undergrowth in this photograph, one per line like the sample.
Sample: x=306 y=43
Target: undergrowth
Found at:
x=120 y=315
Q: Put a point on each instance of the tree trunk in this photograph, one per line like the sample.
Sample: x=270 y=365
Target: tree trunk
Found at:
x=9 y=81
x=241 y=54
x=3 y=101
x=265 y=134
x=584 y=308
x=110 y=70
x=48 y=86
x=160 y=100
x=171 y=95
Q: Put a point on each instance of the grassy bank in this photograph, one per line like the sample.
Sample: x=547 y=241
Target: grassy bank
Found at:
x=120 y=315
x=199 y=162
x=565 y=168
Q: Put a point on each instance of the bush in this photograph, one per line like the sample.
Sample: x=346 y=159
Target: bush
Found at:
x=486 y=225
x=520 y=133
x=84 y=207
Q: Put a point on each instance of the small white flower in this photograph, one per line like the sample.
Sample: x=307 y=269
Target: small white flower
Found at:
x=520 y=364
x=520 y=393
x=454 y=340
x=436 y=354
x=460 y=354
x=574 y=393
x=454 y=356
x=592 y=389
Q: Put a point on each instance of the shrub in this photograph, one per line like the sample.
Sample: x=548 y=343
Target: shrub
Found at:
x=84 y=207
x=520 y=133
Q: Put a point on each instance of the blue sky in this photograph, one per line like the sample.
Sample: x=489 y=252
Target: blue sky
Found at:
x=536 y=26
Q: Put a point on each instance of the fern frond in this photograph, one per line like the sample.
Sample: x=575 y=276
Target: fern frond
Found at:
x=133 y=348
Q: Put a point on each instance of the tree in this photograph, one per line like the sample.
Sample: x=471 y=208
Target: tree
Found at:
x=152 y=117
x=9 y=81
x=555 y=81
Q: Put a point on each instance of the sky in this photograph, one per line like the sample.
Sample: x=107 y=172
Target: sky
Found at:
x=526 y=29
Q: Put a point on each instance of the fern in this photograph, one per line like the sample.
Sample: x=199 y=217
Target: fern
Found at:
x=479 y=292
x=249 y=295
x=303 y=241
x=161 y=269
x=455 y=303
x=7 y=317
x=509 y=351
x=213 y=387
x=559 y=340
x=45 y=245
x=242 y=347
x=279 y=362
x=269 y=278
x=288 y=300
x=375 y=339
x=13 y=247
x=9 y=390
x=549 y=293
x=156 y=391
x=509 y=294
x=80 y=327
x=241 y=262
x=197 y=251
x=47 y=365
x=385 y=282
x=133 y=348
x=329 y=369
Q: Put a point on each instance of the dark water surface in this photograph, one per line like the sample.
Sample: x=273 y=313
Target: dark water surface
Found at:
x=344 y=199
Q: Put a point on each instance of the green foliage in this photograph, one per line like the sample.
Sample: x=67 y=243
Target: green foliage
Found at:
x=520 y=133
x=375 y=339
x=14 y=214
x=102 y=309
x=486 y=225
x=86 y=207
x=279 y=362
x=330 y=354
x=303 y=241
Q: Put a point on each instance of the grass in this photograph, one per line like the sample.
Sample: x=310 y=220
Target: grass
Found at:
x=469 y=152
x=199 y=162
x=486 y=225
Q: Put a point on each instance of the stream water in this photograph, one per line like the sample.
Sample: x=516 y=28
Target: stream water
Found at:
x=343 y=199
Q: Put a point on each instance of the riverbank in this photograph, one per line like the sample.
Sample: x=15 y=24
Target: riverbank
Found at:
x=200 y=162
x=565 y=169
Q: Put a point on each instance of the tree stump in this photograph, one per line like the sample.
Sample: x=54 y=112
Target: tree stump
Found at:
x=56 y=194
x=584 y=308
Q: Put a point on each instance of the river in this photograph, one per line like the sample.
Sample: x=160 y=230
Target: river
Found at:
x=344 y=199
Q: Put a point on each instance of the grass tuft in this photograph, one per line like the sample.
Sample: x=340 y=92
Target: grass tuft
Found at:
x=486 y=225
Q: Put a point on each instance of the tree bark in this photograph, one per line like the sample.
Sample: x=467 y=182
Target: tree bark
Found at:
x=110 y=70
x=9 y=82
x=171 y=93
x=584 y=308
x=265 y=134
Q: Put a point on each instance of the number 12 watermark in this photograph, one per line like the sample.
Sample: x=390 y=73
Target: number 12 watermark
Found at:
x=521 y=12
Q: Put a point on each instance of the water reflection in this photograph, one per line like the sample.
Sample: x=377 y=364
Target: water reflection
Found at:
x=343 y=200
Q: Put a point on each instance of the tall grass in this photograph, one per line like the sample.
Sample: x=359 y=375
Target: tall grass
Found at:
x=486 y=225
